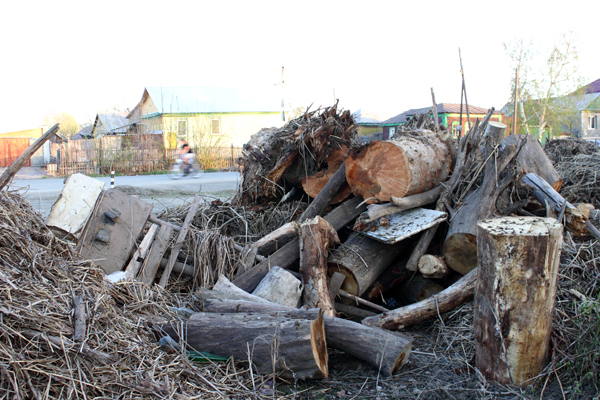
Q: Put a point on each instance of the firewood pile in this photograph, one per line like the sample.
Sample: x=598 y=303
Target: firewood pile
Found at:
x=394 y=238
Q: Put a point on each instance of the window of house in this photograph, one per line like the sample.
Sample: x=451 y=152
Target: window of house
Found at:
x=216 y=126
x=182 y=129
x=392 y=131
x=593 y=122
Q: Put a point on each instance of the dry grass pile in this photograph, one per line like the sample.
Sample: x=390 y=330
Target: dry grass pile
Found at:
x=578 y=163
x=118 y=357
x=217 y=226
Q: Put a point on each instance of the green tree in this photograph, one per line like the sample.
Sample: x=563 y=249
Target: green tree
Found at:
x=547 y=104
x=68 y=124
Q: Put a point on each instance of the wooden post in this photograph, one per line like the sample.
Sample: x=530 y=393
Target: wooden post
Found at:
x=25 y=156
x=518 y=260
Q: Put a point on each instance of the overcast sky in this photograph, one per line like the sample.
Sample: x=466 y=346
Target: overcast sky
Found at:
x=86 y=57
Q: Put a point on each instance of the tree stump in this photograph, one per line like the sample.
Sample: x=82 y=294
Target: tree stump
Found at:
x=515 y=295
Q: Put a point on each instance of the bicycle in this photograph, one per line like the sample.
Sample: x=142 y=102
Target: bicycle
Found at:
x=178 y=170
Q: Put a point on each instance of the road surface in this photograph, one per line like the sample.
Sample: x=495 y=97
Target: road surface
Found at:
x=158 y=189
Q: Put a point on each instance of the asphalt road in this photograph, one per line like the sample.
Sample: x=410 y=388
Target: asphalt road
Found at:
x=42 y=193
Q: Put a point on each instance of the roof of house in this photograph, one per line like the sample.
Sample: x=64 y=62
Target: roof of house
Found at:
x=112 y=123
x=369 y=117
x=214 y=99
x=442 y=108
x=593 y=87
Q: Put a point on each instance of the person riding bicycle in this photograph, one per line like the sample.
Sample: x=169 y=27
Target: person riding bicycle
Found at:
x=187 y=156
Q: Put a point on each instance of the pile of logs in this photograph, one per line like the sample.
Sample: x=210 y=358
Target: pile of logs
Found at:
x=415 y=203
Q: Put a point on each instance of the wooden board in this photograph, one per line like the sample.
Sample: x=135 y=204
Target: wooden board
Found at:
x=154 y=257
x=119 y=236
x=75 y=205
x=402 y=225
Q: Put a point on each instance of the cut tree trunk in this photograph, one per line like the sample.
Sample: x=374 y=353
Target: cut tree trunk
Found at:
x=281 y=287
x=460 y=246
x=419 y=288
x=433 y=266
x=362 y=259
x=533 y=159
x=294 y=347
x=288 y=254
x=275 y=240
x=433 y=306
x=409 y=165
x=515 y=296
x=316 y=236
x=383 y=350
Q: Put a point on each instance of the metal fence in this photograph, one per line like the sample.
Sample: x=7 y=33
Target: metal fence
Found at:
x=136 y=160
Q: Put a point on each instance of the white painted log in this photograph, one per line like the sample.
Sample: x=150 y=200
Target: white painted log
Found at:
x=281 y=287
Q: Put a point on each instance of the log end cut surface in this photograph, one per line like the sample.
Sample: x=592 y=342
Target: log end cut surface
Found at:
x=374 y=169
x=319 y=345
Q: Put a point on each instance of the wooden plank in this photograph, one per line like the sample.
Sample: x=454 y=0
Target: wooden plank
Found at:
x=134 y=265
x=179 y=242
x=152 y=261
x=120 y=234
x=23 y=158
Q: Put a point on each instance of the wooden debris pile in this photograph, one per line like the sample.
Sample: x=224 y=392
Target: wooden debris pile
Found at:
x=275 y=160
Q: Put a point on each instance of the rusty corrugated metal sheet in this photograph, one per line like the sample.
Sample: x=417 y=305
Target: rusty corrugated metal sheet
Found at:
x=11 y=149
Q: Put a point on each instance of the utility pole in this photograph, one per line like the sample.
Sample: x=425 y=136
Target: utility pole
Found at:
x=514 y=127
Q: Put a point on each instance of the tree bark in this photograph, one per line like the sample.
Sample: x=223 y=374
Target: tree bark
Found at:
x=409 y=165
x=314 y=184
x=362 y=260
x=289 y=253
x=294 y=347
x=379 y=348
x=275 y=240
x=533 y=159
x=515 y=296
x=433 y=306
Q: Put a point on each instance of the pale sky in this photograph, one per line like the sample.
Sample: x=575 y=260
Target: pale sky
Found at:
x=85 y=57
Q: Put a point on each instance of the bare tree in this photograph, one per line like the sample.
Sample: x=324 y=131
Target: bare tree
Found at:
x=546 y=84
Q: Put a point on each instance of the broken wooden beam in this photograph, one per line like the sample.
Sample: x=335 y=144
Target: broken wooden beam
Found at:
x=16 y=166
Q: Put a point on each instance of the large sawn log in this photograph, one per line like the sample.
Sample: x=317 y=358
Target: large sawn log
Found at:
x=409 y=165
x=295 y=347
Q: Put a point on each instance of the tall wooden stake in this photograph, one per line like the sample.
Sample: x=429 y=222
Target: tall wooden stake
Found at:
x=514 y=127
x=464 y=90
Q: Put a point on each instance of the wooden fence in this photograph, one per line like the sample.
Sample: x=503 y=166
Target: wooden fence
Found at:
x=82 y=157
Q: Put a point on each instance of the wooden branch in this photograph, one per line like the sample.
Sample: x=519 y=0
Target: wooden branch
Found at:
x=431 y=307
x=133 y=268
x=79 y=317
x=326 y=195
x=433 y=266
x=62 y=343
x=397 y=204
x=179 y=242
x=25 y=156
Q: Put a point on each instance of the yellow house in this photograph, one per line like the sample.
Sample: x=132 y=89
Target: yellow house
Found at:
x=205 y=116
x=27 y=133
